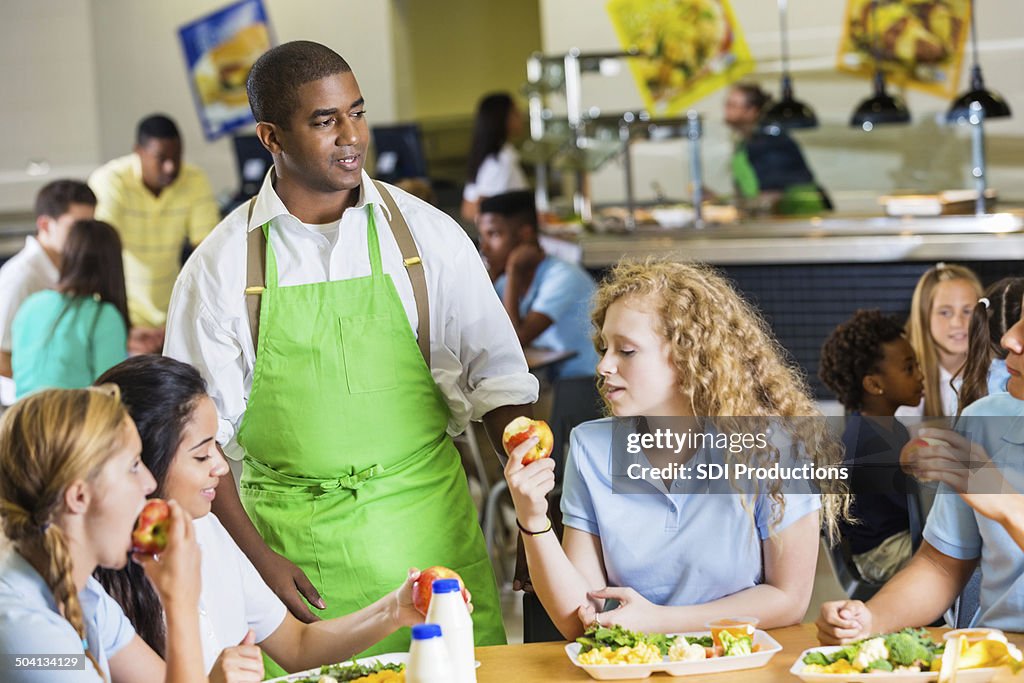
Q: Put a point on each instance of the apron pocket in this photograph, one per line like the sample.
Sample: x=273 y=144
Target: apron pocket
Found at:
x=369 y=353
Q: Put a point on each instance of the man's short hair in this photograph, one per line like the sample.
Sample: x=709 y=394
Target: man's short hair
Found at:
x=518 y=207
x=276 y=77
x=156 y=126
x=56 y=197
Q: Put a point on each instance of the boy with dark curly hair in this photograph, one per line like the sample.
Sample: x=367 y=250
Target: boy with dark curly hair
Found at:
x=869 y=364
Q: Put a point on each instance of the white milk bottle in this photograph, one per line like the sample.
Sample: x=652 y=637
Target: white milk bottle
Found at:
x=428 y=656
x=448 y=609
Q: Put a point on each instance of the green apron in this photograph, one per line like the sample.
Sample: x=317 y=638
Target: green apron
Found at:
x=797 y=199
x=349 y=471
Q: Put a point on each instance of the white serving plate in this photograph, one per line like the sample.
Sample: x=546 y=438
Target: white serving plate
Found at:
x=386 y=658
x=616 y=672
x=962 y=675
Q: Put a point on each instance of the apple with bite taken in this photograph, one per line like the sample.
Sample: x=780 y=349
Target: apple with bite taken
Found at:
x=522 y=428
x=150 y=535
x=423 y=589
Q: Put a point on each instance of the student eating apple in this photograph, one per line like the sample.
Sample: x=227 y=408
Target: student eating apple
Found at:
x=177 y=424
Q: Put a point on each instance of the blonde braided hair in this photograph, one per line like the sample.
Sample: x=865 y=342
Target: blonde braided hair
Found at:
x=48 y=441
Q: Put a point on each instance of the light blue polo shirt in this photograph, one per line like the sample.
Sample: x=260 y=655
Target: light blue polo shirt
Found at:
x=956 y=530
x=998 y=376
x=673 y=548
x=562 y=291
x=30 y=624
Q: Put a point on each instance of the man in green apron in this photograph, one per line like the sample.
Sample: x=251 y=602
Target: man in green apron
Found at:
x=769 y=172
x=349 y=474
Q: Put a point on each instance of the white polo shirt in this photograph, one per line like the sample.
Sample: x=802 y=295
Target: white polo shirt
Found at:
x=27 y=272
x=234 y=597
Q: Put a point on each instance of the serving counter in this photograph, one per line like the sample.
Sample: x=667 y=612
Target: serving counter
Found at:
x=548 y=663
x=808 y=275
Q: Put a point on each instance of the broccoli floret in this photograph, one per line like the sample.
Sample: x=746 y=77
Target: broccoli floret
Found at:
x=879 y=665
x=735 y=646
x=907 y=648
x=819 y=658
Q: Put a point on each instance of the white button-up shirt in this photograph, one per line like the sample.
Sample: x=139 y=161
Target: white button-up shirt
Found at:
x=27 y=272
x=475 y=356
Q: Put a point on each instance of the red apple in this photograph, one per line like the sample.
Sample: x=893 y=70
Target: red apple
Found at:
x=150 y=535
x=423 y=589
x=927 y=441
x=522 y=428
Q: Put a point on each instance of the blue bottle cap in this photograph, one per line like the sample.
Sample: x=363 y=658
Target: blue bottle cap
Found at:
x=446 y=586
x=426 y=631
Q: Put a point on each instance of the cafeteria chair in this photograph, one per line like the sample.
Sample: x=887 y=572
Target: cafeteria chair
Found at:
x=850 y=580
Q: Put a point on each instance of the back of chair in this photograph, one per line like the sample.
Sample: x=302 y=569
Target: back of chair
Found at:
x=968 y=604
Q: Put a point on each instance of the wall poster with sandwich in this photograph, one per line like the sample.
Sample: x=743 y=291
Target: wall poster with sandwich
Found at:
x=220 y=48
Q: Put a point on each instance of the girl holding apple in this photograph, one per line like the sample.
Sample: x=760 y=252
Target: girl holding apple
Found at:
x=177 y=423
x=71 y=486
x=675 y=341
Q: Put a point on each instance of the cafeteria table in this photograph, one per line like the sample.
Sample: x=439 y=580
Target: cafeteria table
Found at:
x=548 y=663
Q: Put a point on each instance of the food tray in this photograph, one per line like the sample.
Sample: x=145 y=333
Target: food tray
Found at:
x=962 y=675
x=768 y=647
x=387 y=658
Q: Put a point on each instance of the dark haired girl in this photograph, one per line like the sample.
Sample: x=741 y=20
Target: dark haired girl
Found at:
x=66 y=337
x=493 y=162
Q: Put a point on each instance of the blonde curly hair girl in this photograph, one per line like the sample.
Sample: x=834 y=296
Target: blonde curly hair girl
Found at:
x=727 y=362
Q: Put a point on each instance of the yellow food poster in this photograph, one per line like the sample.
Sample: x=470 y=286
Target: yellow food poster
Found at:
x=692 y=48
x=220 y=48
x=918 y=43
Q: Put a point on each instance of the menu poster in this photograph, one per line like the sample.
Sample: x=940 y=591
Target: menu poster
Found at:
x=918 y=43
x=220 y=48
x=692 y=48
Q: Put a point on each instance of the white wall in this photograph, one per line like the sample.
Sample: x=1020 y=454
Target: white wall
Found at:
x=79 y=74
x=48 y=107
x=854 y=165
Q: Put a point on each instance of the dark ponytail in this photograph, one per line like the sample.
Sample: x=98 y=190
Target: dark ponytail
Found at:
x=160 y=394
x=993 y=315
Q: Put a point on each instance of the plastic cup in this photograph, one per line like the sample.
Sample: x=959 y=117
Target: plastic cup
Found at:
x=736 y=626
x=973 y=635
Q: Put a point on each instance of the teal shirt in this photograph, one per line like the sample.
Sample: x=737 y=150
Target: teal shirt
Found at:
x=64 y=342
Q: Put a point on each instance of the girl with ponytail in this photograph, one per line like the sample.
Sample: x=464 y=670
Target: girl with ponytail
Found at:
x=985 y=370
x=71 y=486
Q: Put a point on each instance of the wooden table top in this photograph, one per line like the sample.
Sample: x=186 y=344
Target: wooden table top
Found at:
x=548 y=663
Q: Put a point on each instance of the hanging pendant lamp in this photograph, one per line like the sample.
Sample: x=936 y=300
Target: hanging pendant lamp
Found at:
x=788 y=112
x=881 y=108
x=992 y=104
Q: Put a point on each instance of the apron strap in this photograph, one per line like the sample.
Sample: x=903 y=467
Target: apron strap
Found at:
x=255 y=275
x=413 y=266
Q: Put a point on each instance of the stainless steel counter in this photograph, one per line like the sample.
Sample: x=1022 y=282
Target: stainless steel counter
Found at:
x=817 y=240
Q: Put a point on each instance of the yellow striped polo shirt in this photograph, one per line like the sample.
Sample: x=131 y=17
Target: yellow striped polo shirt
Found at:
x=153 y=229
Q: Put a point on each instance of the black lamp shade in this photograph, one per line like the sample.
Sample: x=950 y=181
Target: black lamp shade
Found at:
x=788 y=113
x=880 y=109
x=992 y=103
